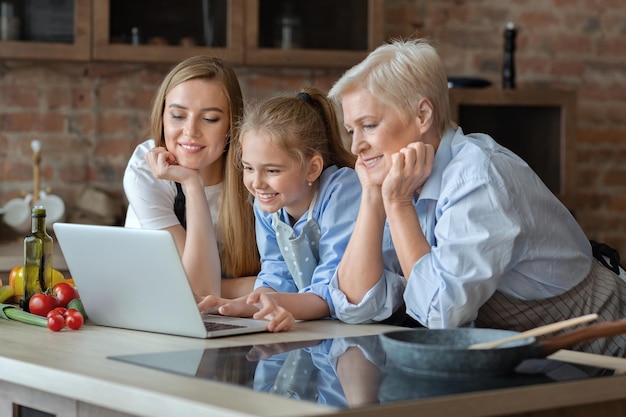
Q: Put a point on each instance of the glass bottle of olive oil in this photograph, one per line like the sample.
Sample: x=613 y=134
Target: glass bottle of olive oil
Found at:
x=37 y=257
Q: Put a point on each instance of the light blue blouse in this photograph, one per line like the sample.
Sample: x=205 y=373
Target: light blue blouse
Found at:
x=335 y=212
x=492 y=225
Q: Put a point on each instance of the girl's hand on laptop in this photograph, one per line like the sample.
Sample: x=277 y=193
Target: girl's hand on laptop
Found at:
x=209 y=304
x=238 y=307
x=280 y=319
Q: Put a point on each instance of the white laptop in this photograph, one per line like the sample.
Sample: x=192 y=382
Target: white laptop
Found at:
x=134 y=279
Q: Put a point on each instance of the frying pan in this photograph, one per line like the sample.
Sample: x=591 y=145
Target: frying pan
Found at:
x=396 y=385
x=444 y=352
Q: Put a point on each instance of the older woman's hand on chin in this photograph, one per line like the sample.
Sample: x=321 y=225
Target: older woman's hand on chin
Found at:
x=410 y=168
x=364 y=177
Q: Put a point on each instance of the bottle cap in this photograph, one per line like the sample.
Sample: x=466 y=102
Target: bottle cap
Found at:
x=38 y=211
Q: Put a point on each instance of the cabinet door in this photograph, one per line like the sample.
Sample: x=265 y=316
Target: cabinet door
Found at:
x=167 y=31
x=538 y=125
x=320 y=33
x=47 y=30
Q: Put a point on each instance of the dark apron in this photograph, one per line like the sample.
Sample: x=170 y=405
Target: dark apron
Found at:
x=179 y=206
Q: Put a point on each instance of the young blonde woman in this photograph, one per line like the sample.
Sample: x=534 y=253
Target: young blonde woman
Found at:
x=184 y=180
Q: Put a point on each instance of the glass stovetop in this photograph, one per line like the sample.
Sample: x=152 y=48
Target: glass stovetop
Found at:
x=341 y=372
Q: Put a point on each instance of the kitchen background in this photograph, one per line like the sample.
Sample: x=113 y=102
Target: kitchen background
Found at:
x=89 y=116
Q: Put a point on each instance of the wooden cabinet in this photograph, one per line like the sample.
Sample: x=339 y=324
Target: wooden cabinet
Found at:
x=288 y=33
x=325 y=33
x=167 y=31
x=77 y=46
x=21 y=401
x=538 y=125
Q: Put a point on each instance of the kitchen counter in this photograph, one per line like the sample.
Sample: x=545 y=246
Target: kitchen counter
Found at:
x=68 y=374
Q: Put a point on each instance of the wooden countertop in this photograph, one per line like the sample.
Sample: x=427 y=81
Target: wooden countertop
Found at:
x=74 y=364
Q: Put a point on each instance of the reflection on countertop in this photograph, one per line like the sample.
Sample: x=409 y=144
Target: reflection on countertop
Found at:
x=343 y=372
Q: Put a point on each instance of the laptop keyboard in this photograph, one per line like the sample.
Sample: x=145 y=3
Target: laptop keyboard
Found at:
x=213 y=326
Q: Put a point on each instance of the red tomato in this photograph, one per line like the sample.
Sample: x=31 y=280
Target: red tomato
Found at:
x=41 y=304
x=58 y=310
x=74 y=320
x=56 y=322
x=65 y=293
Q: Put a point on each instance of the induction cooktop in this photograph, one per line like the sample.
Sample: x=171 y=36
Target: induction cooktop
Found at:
x=342 y=372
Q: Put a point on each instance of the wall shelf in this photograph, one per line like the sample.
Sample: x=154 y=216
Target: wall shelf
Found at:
x=538 y=125
x=243 y=32
x=77 y=49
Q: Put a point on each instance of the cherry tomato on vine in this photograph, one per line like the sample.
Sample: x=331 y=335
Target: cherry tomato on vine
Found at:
x=58 y=310
x=56 y=322
x=41 y=304
x=65 y=293
x=73 y=319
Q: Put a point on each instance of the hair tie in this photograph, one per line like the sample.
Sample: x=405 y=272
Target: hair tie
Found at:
x=306 y=97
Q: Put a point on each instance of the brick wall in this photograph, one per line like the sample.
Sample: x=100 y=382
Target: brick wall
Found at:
x=561 y=44
x=90 y=116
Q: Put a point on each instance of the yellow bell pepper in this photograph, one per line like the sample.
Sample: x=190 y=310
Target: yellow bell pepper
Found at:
x=16 y=280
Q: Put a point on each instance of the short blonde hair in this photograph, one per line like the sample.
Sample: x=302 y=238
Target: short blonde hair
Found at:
x=400 y=74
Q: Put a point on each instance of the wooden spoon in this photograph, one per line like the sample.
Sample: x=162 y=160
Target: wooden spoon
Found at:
x=591 y=359
x=537 y=331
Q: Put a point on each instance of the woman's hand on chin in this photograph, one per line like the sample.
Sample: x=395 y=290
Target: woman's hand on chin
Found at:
x=410 y=168
x=164 y=165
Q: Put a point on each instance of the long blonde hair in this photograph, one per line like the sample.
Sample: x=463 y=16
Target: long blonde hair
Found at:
x=239 y=255
x=302 y=125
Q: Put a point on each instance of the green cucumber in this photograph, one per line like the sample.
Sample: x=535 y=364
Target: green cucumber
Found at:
x=14 y=313
x=78 y=305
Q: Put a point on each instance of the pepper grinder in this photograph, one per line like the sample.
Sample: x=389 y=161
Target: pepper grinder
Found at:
x=508 y=67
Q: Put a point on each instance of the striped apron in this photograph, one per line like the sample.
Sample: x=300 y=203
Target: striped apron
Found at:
x=601 y=292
